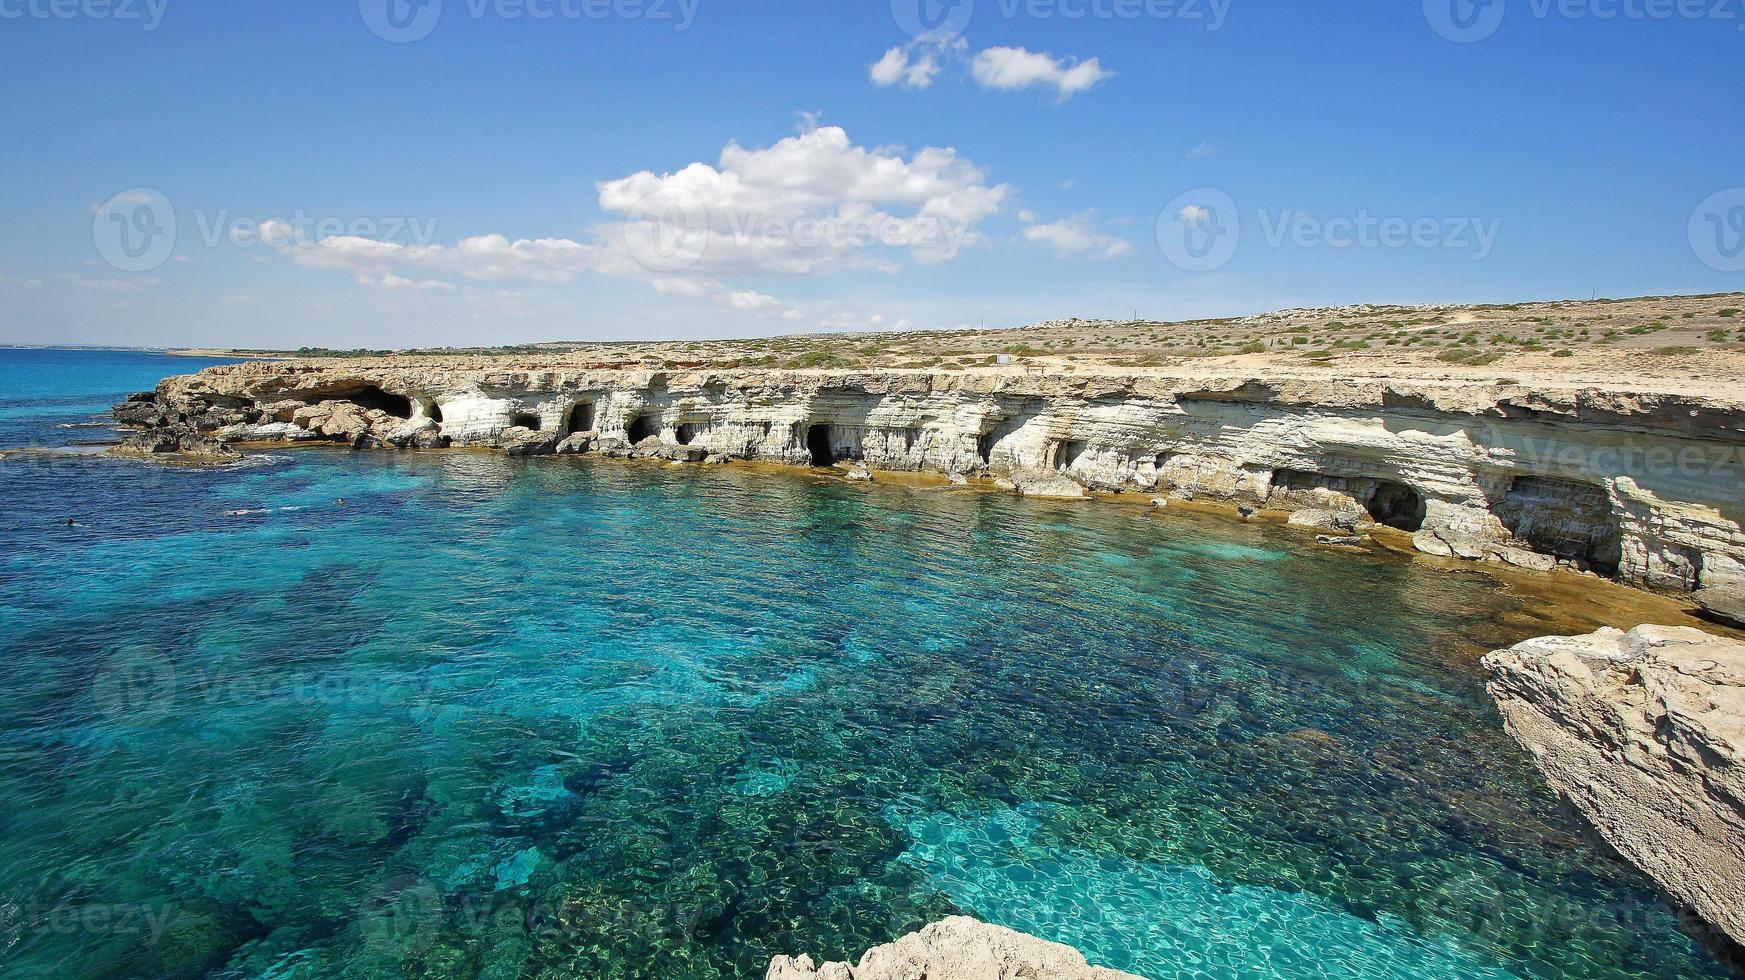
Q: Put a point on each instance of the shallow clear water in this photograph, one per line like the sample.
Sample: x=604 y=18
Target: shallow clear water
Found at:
x=582 y=719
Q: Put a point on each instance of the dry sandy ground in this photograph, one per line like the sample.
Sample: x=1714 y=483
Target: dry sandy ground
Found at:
x=1683 y=344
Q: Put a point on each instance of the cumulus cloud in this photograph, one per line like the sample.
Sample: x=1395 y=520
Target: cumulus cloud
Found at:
x=1008 y=69
x=1077 y=235
x=896 y=68
x=809 y=204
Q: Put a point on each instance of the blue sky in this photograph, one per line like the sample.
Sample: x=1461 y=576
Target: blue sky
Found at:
x=502 y=177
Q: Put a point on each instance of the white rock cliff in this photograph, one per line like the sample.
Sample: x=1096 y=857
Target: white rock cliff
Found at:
x=1644 y=487
x=1645 y=733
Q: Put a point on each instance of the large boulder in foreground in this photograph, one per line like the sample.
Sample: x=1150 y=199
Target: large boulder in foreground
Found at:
x=958 y=948
x=1645 y=733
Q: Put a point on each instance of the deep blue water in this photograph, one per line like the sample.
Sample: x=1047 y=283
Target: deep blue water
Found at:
x=495 y=717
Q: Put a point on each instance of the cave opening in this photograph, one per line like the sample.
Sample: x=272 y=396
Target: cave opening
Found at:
x=1397 y=506
x=371 y=397
x=644 y=426
x=1068 y=453
x=1566 y=518
x=525 y=420
x=434 y=413
x=688 y=433
x=818 y=444
x=581 y=418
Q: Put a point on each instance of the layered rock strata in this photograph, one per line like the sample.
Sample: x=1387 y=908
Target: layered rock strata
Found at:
x=1644 y=487
x=1645 y=733
x=958 y=948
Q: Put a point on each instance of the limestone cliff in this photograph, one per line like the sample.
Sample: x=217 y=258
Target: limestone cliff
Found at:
x=1645 y=486
x=958 y=948
x=1645 y=733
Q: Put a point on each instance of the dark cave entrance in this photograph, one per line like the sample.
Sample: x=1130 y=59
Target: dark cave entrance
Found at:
x=371 y=397
x=644 y=426
x=525 y=420
x=1566 y=518
x=1068 y=453
x=434 y=413
x=688 y=433
x=1397 y=505
x=818 y=444
x=581 y=418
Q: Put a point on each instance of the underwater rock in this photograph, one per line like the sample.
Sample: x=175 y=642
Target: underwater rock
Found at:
x=1645 y=733
x=958 y=948
x=858 y=471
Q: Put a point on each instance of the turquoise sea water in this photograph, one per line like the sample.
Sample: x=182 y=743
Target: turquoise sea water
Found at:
x=565 y=718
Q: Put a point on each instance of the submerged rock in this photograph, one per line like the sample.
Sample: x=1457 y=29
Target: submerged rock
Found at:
x=959 y=948
x=1645 y=733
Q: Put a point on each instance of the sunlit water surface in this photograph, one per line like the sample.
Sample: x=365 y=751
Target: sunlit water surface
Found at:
x=580 y=719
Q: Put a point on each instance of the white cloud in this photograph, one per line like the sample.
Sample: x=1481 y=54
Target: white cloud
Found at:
x=809 y=204
x=747 y=299
x=1008 y=69
x=1193 y=215
x=897 y=68
x=1203 y=149
x=110 y=285
x=1077 y=235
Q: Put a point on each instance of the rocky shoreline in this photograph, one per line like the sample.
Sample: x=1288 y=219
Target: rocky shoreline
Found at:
x=1644 y=732
x=1642 y=487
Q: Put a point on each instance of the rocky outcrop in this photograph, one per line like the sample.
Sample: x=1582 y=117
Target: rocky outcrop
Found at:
x=1643 y=487
x=1645 y=733
x=958 y=948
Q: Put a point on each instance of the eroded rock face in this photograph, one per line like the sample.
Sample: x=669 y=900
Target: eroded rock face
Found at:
x=1645 y=733
x=958 y=948
x=1643 y=487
